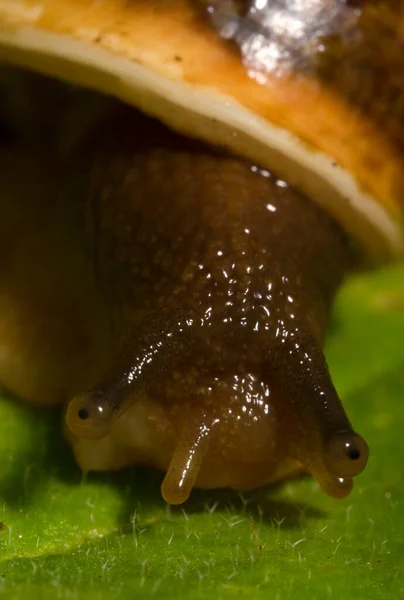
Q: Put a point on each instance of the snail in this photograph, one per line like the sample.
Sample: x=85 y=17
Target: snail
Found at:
x=173 y=281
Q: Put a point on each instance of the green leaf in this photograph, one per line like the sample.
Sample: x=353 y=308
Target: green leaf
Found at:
x=112 y=536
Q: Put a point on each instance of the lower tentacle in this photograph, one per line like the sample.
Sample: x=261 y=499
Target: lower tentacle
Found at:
x=186 y=461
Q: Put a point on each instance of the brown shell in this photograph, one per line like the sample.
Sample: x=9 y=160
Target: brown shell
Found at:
x=327 y=113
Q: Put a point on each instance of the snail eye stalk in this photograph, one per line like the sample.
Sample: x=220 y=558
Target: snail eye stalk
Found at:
x=88 y=416
x=346 y=454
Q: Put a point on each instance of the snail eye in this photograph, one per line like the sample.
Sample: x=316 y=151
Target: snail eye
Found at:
x=88 y=416
x=346 y=454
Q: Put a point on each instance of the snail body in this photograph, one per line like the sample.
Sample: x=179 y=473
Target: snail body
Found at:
x=198 y=285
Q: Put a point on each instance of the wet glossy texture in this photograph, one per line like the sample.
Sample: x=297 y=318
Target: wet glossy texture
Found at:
x=219 y=279
x=179 y=298
x=346 y=455
x=90 y=416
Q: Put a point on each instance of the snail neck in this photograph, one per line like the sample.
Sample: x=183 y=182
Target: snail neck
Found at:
x=174 y=223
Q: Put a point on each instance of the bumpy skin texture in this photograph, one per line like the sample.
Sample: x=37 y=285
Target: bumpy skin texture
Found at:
x=219 y=279
x=194 y=300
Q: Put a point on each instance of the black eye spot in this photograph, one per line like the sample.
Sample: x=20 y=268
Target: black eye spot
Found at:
x=83 y=414
x=353 y=454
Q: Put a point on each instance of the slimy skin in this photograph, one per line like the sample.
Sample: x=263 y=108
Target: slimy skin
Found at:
x=207 y=286
x=223 y=278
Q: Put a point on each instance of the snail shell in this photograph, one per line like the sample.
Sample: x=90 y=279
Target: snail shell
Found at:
x=206 y=70
x=281 y=87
